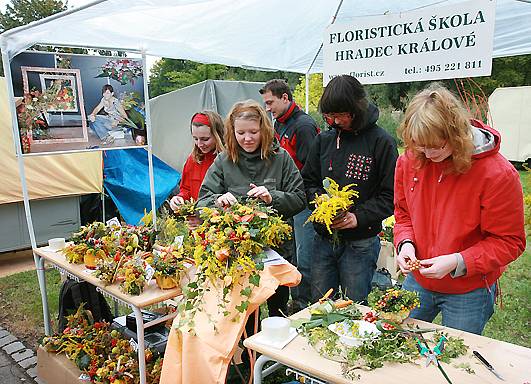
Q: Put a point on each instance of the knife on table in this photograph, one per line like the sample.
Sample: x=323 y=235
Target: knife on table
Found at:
x=487 y=364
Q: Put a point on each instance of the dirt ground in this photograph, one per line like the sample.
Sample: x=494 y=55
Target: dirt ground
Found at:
x=15 y=262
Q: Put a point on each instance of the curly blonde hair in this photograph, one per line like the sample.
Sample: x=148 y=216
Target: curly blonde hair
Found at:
x=435 y=115
x=248 y=110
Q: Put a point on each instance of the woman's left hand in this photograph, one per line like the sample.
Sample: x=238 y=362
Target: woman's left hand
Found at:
x=261 y=193
x=346 y=221
x=438 y=267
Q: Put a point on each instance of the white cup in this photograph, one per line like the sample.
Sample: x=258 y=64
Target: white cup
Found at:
x=275 y=328
x=57 y=243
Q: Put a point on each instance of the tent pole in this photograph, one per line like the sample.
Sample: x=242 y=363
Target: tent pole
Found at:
x=103 y=204
x=39 y=261
x=319 y=51
x=149 y=144
x=307 y=78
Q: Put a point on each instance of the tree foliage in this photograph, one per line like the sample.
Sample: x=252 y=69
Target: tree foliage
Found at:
x=170 y=74
x=22 y=12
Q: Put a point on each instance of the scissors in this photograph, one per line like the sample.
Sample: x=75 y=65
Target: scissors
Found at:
x=431 y=356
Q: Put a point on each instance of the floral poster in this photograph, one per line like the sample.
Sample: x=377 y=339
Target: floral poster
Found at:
x=67 y=102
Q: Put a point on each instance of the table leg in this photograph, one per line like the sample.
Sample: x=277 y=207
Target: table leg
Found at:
x=259 y=373
x=41 y=277
x=140 y=341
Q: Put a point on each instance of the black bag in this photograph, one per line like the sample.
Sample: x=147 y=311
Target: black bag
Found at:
x=382 y=279
x=73 y=294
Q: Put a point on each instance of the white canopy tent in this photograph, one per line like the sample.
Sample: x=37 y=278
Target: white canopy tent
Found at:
x=273 y=34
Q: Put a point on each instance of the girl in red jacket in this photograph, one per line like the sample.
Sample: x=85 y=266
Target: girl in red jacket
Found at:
x=458 y=210
x=207 y=131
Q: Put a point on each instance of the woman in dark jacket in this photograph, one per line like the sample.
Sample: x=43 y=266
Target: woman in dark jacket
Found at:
x=254 y=165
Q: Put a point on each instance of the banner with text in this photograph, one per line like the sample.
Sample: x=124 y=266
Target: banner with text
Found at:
x=427 y=44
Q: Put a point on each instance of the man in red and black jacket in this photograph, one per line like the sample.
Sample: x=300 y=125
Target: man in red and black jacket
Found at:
x=295 y=130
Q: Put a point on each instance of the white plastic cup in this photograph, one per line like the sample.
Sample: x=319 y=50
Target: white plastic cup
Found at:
x=275 y=328
x=56 y=243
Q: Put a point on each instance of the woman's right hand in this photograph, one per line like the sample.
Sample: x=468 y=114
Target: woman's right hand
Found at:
x=407 y=253
x=175 y=202
x=226 y=200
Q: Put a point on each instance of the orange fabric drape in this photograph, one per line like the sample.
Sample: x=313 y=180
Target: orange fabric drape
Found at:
x=205 y=358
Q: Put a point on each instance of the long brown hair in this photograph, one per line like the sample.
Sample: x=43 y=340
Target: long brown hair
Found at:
x=435 y=115
x=248 y=110
x=216 y=130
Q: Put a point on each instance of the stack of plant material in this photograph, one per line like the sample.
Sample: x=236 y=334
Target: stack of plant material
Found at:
x=105 y=355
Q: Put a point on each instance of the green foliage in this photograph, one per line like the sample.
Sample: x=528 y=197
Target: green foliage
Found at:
x=170 y=74
x=22 y=12
x=316 y=90
x=390 y=120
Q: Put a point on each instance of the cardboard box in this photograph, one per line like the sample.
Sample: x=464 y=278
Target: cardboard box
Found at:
x=57 y=369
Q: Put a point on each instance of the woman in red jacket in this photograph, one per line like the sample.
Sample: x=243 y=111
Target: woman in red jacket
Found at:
x=458 y=210
x=207 y=131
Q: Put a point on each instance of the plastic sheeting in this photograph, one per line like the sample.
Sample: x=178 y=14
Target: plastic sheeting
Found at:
x=273 y=34
x=47 y=175
x=171 y=114
x=127 y=181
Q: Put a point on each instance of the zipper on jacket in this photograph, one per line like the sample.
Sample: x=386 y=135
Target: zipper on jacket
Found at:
x=338 y=139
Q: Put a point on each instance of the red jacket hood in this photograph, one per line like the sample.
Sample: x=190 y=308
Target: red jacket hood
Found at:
x=491 y=135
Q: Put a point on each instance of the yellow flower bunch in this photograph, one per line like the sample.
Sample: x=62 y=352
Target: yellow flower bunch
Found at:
x=228 y=242
x=228 y=248
x=335 y=201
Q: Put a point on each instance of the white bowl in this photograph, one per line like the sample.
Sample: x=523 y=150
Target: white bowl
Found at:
x=366 y=331
x=275 y=328
x=57 y=243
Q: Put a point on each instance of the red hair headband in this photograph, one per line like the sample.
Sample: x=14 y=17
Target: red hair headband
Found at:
x=201 y=119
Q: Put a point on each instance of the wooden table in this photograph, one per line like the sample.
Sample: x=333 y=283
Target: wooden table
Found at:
x=151 y=295
x=509 y=360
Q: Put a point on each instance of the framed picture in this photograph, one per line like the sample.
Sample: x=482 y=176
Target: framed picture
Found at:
x=65 y=88
x=73 y=102
x=58 y=94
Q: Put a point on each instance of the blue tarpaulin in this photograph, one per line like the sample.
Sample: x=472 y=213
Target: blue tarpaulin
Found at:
x=126 y=179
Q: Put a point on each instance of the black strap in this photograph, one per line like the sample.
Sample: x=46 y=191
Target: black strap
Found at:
x=77 y=297
x=94 y=302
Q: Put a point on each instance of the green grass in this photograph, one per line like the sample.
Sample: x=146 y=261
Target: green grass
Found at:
x=21 y=306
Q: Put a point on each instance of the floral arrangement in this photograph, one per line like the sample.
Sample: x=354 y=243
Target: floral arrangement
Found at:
x=169 y=261
x=186 y=209
x=105 y=355
x=330 y=205
x=88 y=242
x=394 y=344
x=169 y=264
x=134 y=108
x=169 y=228
x=35 y=103
x=393 y=300
x=64 y=97
x=134 y=276
x=227 y=249
x=122 y=70
x=387 y=229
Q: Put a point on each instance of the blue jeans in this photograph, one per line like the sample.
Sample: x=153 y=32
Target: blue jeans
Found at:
x=467 y=311
x=350 y=264
x=304 y=236
x=102 y=126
